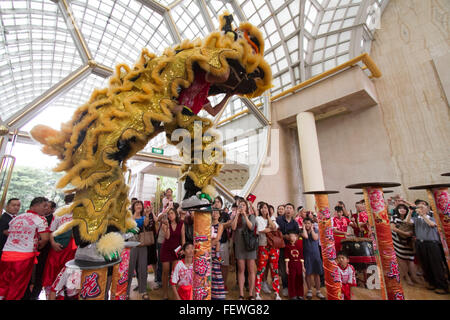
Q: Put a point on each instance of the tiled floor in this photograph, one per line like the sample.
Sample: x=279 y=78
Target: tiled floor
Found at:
x=411 y=292
x=359 y=293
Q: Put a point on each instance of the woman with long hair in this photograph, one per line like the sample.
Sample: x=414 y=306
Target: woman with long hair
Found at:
x=244 y=219
x=264 y=225
x=138 y=255
x=152 y=258
x=174 y=236
x=403 y=245
x=225 y=222
x=280 y=210
x=167 y=203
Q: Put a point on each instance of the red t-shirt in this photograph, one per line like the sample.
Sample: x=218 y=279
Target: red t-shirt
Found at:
x=363 y=218
x=341 y=224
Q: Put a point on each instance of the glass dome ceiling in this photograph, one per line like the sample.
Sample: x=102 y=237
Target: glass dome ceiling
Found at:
x=44 y=42
x=53 y=53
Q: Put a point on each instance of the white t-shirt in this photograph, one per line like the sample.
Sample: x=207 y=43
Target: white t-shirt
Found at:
x=348 y=275
x=58 y=221
x=182 y=274
x=261 y=224
x=24 y=232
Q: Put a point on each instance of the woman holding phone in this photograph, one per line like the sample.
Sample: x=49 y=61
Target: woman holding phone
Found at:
x=152 y=258
x=167 y=203
x=244 y=219
x=174 y=237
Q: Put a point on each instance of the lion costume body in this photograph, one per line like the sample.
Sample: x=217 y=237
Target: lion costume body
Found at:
x=139 y=103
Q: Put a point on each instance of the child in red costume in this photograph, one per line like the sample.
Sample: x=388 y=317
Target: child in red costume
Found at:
x=294 y=269
x=182 y=275
x=347 y=273
x=340 y=224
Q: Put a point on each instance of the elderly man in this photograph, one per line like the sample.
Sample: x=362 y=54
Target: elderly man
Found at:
x=11 y=211
x=429 y=249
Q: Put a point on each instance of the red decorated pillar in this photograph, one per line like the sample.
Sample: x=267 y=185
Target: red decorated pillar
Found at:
x=333 y=282
x=384 y=251
x=202 y=255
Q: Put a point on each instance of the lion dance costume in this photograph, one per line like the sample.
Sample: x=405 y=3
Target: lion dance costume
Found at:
x=139 y=103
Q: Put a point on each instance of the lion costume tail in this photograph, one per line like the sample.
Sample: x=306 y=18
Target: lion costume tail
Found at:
x=50 y=139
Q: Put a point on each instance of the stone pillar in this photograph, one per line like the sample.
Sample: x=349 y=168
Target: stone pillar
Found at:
x=310 y=156
x=180 y=191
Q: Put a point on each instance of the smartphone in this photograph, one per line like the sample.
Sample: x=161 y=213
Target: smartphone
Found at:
x=147 y=203
x=251 y=197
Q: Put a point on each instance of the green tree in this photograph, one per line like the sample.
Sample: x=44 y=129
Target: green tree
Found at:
x=27 y=183
x=169 y=182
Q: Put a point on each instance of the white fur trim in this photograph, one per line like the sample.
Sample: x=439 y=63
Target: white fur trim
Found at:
x=110 y=243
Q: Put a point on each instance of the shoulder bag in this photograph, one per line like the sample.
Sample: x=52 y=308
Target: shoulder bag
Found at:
x=275 y=239
x=250 y=238
x=146 y=238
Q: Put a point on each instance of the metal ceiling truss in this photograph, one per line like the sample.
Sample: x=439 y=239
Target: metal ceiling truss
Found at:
x=90 y=66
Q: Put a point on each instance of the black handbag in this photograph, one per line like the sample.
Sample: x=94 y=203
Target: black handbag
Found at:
x=250 y=238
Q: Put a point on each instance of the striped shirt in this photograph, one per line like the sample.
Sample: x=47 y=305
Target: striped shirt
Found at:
x=403 y=247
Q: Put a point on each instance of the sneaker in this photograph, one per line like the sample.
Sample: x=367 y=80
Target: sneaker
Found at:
x=258 y=297
x=277 y=297
x=300 y=298
x=195 y=201
x=441 y=291
x=309 y=295
x=265 y=287
x=320 y=296
x=285 y=292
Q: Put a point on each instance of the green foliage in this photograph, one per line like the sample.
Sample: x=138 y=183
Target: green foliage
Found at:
x=27 y=183
x=169 y=182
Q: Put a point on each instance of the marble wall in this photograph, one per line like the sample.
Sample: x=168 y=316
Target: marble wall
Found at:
x=406 y=137
x=414 y=108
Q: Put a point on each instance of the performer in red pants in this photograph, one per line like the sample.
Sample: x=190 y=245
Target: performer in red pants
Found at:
x=27 y=232
x=293 y=256
x=62 y=250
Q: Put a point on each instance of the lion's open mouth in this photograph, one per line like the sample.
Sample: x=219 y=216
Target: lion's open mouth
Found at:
x=237 y=81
